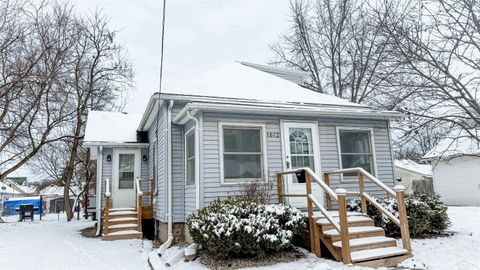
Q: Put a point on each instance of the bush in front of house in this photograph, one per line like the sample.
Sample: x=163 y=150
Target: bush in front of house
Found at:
x=427 y=214
x=240 y=228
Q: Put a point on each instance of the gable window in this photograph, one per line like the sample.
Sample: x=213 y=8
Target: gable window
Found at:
x=190 y=158
x=356 y=149
x=242 y=153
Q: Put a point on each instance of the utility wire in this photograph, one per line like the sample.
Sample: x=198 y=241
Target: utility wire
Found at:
x=163 y=41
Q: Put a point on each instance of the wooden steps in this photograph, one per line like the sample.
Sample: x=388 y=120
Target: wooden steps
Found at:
x=368 y=244
x=121 y=223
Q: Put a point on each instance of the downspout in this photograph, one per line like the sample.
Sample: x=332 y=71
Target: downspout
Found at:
x=197 y=158
x=169 y=214
x=99 y=189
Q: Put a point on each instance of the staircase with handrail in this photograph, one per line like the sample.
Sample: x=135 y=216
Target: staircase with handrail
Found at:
x=351 y=237
x=126 y=223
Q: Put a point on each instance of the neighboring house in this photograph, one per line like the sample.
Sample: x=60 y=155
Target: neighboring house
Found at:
x=52 y=197
x=6 y=192
x=414 y=176
x=239 y=123
x=456 y=169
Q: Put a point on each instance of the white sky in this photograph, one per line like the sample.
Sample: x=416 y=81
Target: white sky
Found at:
x=199 y=35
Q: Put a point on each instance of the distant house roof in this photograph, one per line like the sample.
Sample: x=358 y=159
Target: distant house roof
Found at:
x=410 y=165
x=54 y=190
x=5 y=189
x=244 y=81
x=456 y=143
x=111 y=127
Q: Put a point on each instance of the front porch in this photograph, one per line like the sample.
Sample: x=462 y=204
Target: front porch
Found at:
x=350 y=237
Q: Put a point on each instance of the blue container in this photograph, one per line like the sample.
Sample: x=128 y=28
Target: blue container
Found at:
x=10 y=205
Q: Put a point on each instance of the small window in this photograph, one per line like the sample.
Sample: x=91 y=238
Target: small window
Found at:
x=190 y=158
x=356 y=150
x=242 y=154
x=126 y=170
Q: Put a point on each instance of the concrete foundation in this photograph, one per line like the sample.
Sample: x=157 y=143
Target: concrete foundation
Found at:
x=178 y=232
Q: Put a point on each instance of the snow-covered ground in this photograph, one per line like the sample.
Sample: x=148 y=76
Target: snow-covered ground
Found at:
x=52 y=244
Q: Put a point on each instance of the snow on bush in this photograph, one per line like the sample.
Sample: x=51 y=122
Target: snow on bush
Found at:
x=240 y=228
x=427 y=214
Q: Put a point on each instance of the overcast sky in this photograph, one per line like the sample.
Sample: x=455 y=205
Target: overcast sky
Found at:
x=199 y=35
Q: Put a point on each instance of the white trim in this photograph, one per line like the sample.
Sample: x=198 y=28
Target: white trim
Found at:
x=137 y=169
x=263 y=142
x=315 y=137
x=116 y=144
x=372 y=145
x=281 y=109
x=185 y=155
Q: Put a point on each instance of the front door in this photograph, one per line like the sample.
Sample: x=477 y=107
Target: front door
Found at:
x=301 y=149
x=126 y=167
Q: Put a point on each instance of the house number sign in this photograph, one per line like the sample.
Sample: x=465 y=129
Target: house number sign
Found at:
x=273 y=134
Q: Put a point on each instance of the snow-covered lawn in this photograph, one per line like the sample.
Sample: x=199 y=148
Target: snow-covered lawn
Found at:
x=50 y=244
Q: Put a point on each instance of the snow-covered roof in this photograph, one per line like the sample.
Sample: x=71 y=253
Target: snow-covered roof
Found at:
x=7 y=190
x=456 y=143
x=24 y=198
x=54 y=190
x=238 y=81
x=410 y=165
x=111 y=127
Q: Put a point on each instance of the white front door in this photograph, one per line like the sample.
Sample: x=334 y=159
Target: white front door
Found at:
x=126 y=167
x=301 y=149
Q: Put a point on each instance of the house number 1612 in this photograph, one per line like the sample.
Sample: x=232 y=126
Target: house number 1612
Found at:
x=273 y=134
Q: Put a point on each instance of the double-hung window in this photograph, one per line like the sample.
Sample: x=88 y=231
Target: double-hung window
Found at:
x=190 y=158
x=242 y=153
x=356 y=149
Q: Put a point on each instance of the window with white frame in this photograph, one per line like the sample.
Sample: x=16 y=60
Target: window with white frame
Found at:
x=243 y=153
x=356 y=149
x=190 y=158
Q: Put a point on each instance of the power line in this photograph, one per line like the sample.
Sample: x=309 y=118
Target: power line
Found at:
x=162 y=46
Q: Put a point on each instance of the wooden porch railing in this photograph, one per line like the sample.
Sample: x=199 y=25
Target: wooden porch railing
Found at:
x=398 y=193
x=139 y=203
x=340 y=197
x=107 y=205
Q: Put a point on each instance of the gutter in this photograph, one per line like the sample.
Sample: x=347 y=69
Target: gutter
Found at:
x=317 y=111
x=150 y=106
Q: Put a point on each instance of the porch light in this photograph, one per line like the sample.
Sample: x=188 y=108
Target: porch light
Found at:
x=144 y=158
x=109 y=158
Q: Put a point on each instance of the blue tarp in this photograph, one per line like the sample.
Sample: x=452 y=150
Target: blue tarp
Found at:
x=10 y=205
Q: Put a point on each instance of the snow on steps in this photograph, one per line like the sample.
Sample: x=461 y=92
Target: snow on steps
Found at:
x=377 y=253
x=121 y=213
x=336 y=214
x=355 y=230
x=121 y=209
x=123 y=220
x=350 y=219
x=367 y=241
x=128 y=234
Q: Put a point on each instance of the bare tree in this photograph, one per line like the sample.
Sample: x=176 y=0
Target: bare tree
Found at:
x=437 y=45
x=34 y=46
x=338 y=43
x=55 y=65
x=102 y=74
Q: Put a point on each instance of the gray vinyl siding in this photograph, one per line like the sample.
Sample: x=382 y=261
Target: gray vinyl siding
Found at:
x=329 y=155
x=159 y=207
x=178 y=168
x=107 y=172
